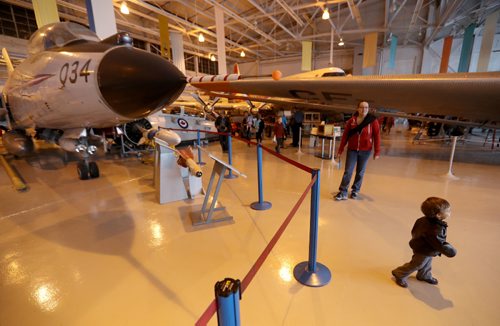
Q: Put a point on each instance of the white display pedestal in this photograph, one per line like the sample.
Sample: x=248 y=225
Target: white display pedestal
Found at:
x=171 y=181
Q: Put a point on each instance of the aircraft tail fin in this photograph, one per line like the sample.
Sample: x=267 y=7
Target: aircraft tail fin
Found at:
x=8 y=62
x=236 y=69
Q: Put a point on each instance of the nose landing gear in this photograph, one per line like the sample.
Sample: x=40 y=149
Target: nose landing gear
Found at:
x=86 y=170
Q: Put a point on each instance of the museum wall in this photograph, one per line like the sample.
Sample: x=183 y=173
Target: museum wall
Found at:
x=408 y=60
x=290 y=66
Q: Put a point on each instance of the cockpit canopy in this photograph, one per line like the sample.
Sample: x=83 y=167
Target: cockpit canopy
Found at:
x=58 y=35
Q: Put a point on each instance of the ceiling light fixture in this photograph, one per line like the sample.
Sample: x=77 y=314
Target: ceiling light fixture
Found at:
x=124 y=8
x=341 y=42
x=201 y=38
x=326 y=14
x=212 y=57
x=242 y=54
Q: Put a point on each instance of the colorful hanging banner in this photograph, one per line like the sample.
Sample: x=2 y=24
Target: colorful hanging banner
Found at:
x=164 y=37
x=392 y=55
x=487 y=42
x=45 y=12
x=465 y=55
x=445 y=56
x=370 y=50
x=306 y=55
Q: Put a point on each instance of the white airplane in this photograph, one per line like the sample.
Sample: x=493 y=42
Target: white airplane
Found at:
x=471 y=96
x=72 y=82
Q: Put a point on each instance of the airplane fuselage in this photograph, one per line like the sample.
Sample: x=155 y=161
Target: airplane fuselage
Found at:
x=77 y=87
x=58 y=90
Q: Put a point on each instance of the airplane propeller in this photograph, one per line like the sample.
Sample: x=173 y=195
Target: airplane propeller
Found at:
x=208 y=108
x=255 y=109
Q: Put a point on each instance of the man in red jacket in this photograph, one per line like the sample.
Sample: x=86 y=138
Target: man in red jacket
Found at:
x=361 y=134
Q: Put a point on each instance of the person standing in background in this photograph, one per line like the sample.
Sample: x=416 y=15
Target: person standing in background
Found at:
x=279 y=133
x=259 y=126
x=361 y=134
x=298 y=119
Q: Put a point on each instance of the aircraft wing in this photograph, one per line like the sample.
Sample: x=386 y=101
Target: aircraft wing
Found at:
x=472 y=96
x=352 y=108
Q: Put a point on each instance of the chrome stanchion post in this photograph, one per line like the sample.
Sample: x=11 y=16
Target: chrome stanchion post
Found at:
x=299 y=151
x=230 y=175
x=450 y=174
x=198 y=142
x=261 y=204
x=312 y=273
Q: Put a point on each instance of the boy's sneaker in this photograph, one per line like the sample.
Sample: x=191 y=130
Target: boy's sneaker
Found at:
x=354 y=195
x=340 y=196
x=431 y=280
x=399 y=281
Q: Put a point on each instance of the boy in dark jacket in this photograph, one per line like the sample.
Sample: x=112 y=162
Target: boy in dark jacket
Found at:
x=428 y=239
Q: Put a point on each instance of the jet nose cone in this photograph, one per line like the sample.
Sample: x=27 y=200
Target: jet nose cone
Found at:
x=135 y=83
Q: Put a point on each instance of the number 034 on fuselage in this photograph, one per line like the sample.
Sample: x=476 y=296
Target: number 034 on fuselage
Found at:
x=72 y=82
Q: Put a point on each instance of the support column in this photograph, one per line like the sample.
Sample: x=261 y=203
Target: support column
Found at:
x=101 y=15
x=221 y=40
x=178 y=51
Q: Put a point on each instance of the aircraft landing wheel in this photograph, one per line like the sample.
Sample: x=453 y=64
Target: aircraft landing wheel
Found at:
x=83 y=170
x=93 y=170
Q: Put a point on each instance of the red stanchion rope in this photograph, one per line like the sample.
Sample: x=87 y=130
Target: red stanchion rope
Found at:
x=270 y=151
x=212 y=308
x=196 y=130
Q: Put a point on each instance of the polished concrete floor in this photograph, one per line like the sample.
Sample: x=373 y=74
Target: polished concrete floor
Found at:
x=104 y=252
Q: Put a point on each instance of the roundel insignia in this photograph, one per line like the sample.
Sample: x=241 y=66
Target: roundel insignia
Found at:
x=182 y=123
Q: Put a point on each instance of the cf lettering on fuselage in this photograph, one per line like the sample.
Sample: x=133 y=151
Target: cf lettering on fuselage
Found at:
x=320 y=96
x=69 y=72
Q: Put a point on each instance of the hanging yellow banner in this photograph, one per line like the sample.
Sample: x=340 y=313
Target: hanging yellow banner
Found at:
x=370 y=50
x=45 y=12
x=164 y=37
x=307 y=55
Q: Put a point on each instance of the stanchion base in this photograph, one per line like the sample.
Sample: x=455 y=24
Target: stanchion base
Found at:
x=450 y=176
x=202 y=163
x=230 y=176
x=258 y=206
x=299 y=152
x=320 y=277
x=336 y=164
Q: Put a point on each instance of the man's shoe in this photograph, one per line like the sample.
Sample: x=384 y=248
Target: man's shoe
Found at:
x=354 y=195
x=431 y=280
x=340 y=196
x=399 y=281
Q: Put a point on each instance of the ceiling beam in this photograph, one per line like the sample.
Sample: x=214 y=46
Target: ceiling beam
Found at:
x=243 y=21
x=355 y=12
x=442 y=20
x=229 y=27
x=290 y=12
x=396 y=13
x=175 y=18
x=277 y=22
x=416 y=11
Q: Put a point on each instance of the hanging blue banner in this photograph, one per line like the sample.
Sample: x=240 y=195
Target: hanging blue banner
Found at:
x=392 y=55
x=465 y=55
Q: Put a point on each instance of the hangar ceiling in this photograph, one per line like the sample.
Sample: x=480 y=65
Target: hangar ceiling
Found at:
x=272 y=29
